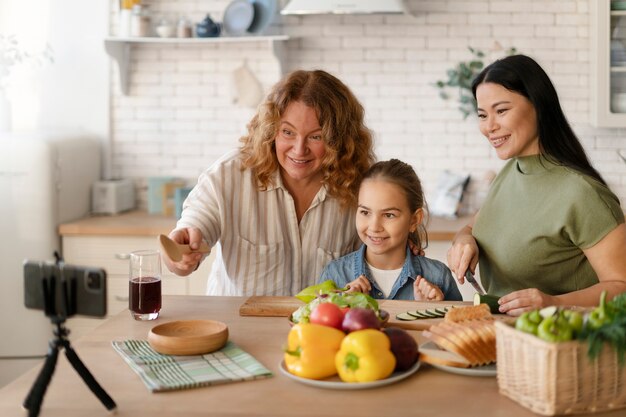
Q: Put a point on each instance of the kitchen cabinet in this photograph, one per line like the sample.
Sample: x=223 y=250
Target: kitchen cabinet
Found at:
x=608 y=65
x=120 y=49
x=106 y=242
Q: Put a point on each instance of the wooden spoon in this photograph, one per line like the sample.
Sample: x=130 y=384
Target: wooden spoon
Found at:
x=176 y=250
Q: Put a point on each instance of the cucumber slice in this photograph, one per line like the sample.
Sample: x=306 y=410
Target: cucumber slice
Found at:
x=415 y=314
x=436 y=312
x=442 y=311
x=405 y=317
x=490 y=300
x=431 y=313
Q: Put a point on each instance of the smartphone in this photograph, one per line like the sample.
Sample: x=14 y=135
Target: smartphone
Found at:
x=69 y=289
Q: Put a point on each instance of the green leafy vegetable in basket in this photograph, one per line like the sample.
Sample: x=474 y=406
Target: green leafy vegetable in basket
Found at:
x=607 y=324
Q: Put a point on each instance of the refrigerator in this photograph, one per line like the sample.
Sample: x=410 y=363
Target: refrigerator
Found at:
x=45 y=180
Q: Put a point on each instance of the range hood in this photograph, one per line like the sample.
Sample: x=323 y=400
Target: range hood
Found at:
x=302 y=7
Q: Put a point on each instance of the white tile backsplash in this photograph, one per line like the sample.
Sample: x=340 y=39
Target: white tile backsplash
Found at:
x=180 y=117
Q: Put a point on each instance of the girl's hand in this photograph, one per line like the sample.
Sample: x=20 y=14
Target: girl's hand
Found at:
x=423 y=290
x=463 y=255
x=518 y=302
x=361 y=284
x=188 y=236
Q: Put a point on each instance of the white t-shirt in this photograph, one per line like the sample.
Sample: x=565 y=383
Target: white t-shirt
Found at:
x=385 y=278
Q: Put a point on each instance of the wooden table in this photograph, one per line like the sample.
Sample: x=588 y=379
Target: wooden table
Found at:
x=429 y=392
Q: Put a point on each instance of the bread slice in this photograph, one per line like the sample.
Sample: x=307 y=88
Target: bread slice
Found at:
x=471 y=340
x=465 y=345
x=437 y=356
x=459 y=314
x=474 y=340
x=487 y=333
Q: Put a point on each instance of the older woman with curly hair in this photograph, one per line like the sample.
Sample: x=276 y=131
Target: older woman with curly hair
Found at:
x=277 y=210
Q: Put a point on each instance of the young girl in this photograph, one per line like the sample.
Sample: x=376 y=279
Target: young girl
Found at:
x=390 y=212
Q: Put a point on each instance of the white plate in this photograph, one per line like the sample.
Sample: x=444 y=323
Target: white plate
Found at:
x=264 y=12
x=487 y=370
x=238 y=16
x=336 y=383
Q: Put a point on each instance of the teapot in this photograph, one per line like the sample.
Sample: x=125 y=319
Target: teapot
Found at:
x=208 y=28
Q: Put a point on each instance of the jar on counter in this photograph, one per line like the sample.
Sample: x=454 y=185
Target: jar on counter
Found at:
x=183 y=29
x=141 y=20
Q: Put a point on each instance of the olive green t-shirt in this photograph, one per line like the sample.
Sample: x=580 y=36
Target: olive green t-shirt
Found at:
x=534 y=223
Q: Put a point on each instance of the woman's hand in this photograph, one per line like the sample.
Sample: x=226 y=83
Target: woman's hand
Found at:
x=426 y=291
x=188 y=236
x=361 y=284
x=463 y=254
x=518 y=302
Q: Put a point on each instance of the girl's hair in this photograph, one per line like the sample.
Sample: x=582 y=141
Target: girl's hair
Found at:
x=557 y=141
x=403 y=175
x=349 y=145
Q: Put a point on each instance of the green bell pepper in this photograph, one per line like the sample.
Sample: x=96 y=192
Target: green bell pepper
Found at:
x=601 y=315
x=555 y=329
x=575 y=321
x=528 y=322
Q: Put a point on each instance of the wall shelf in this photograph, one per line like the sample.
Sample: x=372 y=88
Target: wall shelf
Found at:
x=120 y=49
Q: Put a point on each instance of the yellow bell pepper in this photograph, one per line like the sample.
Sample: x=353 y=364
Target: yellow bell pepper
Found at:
x=365 y=356
x=311 y=350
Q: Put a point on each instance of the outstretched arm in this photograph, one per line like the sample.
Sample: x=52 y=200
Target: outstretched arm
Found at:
x=608 y=259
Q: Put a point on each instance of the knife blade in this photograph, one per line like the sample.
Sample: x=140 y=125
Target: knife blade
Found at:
x=470 y=278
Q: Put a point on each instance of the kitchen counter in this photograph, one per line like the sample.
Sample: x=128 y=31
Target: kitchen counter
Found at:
x=429 y=392
x=140 y=223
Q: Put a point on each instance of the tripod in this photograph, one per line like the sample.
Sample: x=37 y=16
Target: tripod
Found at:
x=35 y=396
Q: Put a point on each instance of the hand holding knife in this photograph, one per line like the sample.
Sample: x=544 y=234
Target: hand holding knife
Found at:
x=470 y=278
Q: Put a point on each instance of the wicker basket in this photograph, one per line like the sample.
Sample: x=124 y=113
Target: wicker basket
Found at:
x=557 y=378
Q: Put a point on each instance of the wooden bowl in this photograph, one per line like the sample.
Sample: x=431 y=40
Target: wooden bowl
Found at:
x=188 y=337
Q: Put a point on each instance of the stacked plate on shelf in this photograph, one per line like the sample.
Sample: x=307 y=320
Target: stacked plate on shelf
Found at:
x=243 y=17
x=618 y=53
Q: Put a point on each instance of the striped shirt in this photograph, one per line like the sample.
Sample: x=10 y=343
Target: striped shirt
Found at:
x=260 y=247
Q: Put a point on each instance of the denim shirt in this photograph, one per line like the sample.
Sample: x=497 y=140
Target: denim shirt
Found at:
x=349 y=267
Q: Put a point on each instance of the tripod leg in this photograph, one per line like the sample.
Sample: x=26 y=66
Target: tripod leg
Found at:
x=91 y=382
x=35 y=397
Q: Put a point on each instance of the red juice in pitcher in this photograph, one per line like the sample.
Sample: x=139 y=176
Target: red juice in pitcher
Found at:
x=144 y=295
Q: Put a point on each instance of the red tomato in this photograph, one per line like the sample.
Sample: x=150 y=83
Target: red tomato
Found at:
x=327 y=314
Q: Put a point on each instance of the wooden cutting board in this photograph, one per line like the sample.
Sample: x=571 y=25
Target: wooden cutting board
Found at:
x=395 y=307
x=269 y=306
x=274 y=306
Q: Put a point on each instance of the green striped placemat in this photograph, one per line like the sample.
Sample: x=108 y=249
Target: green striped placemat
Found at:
x=167 y=373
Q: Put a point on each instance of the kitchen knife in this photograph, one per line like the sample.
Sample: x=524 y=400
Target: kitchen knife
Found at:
x=470 y=278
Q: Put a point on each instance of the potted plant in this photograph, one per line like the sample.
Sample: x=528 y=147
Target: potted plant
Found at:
x=12 y=55
x=461 y=77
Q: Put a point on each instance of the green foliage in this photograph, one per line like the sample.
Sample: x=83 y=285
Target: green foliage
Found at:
x=612 y=332
x=461 y=77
